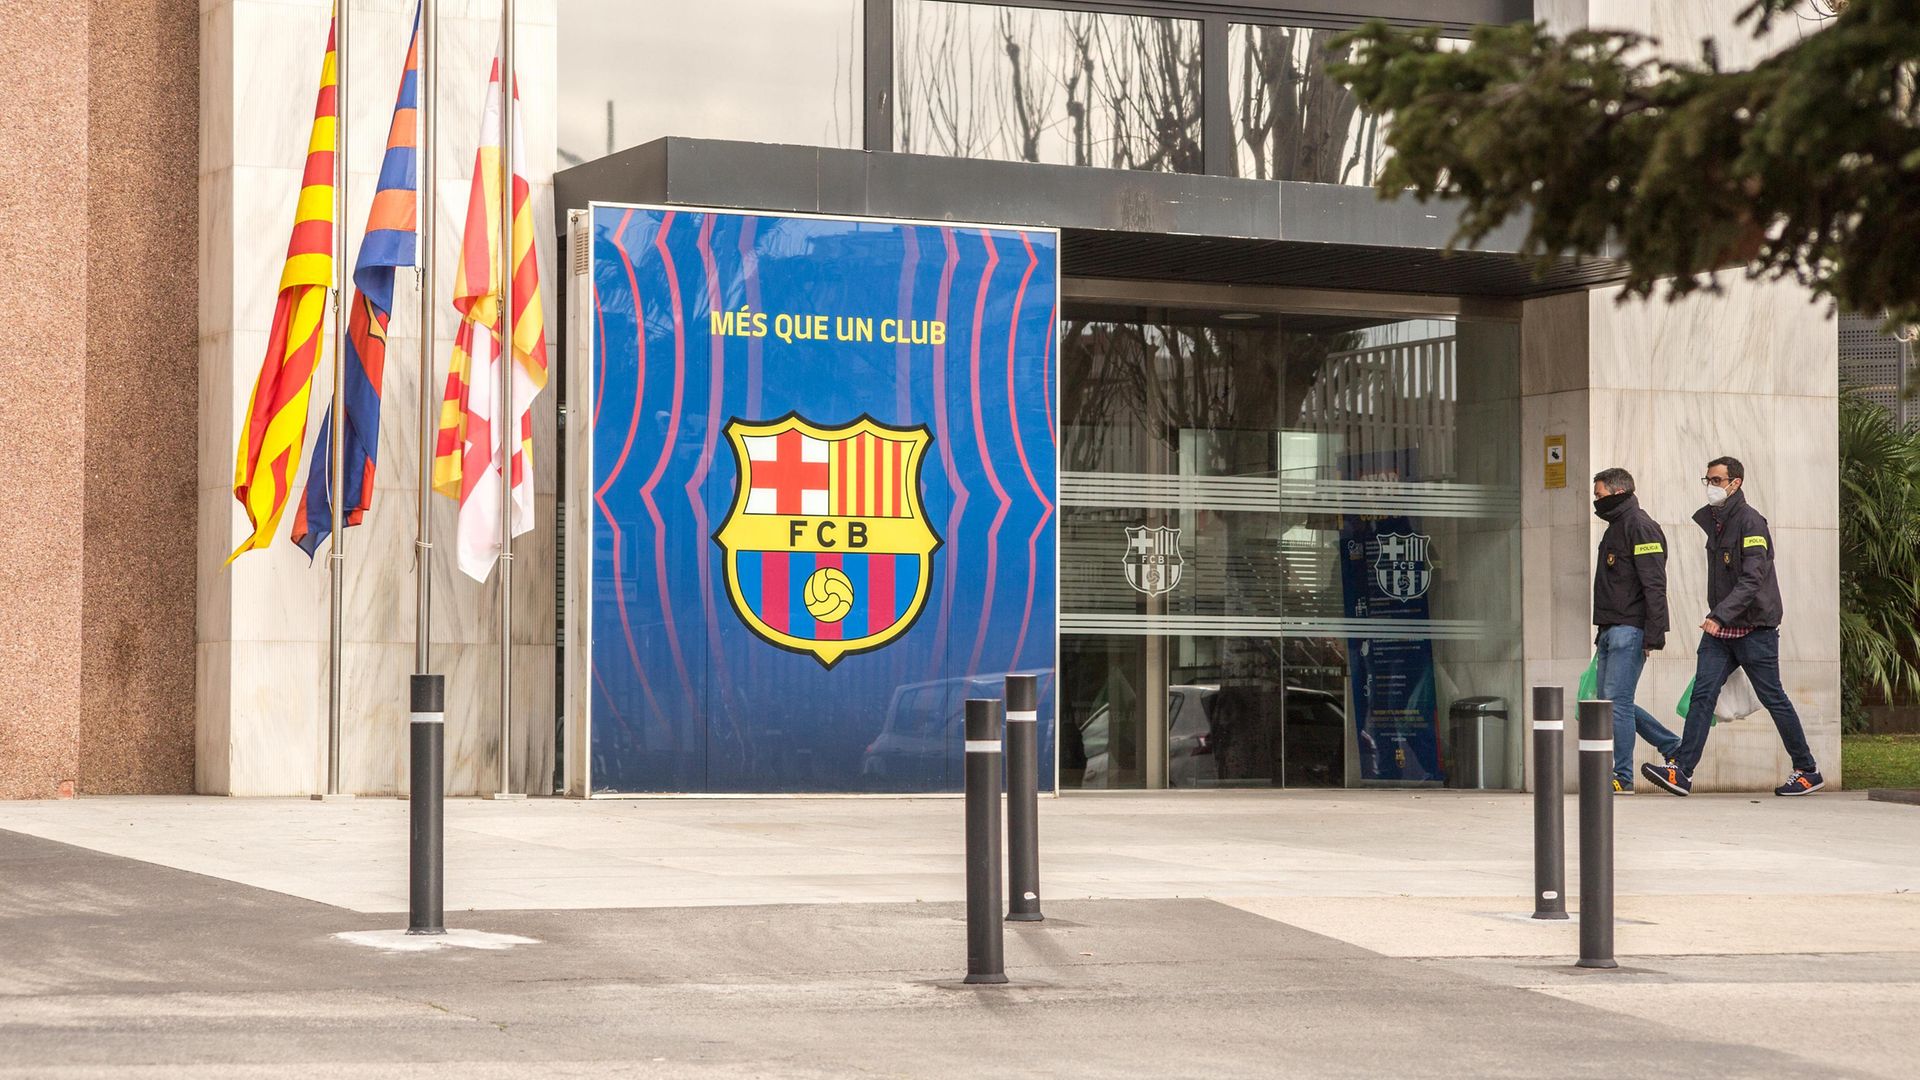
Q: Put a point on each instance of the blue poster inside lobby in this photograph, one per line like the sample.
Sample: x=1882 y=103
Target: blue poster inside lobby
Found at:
x=1386 y=570
x=823 y=481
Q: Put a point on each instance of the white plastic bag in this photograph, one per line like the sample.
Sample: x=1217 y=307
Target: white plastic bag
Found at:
x=1737 y=698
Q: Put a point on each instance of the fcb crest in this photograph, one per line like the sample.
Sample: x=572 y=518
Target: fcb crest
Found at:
x=1402 y=569
x=827 y=544
x=1153 y=558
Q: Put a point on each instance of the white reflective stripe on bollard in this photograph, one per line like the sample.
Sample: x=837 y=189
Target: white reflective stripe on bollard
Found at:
x=1597 y=744
x=983 y=746
x=1022 y=716
x=1549 y=725
x=429 y=718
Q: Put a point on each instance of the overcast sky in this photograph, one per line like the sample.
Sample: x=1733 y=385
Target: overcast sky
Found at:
x=758 y=70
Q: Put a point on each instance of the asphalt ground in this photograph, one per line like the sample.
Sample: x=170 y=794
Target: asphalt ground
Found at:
x=111 y=967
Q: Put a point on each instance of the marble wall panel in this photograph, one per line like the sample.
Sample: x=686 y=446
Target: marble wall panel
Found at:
x=221 y=379
x=533 y=718
x=215 y=269
x=1616 y=342
x=473 y=723
x=1682 y=24
x=1541 y=415
x=1560 y=16
x=380 y=587
x=216 y=89
x=1686 y=579
x=277 y=720
x=1808 y=568
x=1746 y=754
x=1622 y=435
x=1673 y=386
x=1743 y=427
x=213 y=679
x=1536 y=604
x=1571 y=585
x=1806 y=341
x=1806 y=463
x=1685 y=436
x=1679 y=26
x=255 y=123
x=1553 y=344
x=375 y=724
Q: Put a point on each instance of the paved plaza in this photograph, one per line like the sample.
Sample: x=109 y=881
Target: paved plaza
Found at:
x=1216 y=934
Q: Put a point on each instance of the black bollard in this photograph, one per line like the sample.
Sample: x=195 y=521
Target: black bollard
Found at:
x=426 y=804
x=1596 y=834
x=1023 y=799
x=986 y=960
x=1549 y=804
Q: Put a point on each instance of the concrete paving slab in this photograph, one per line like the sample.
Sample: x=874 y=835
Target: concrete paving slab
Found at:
x=167 y=973
x=1644 y=925
x=551 y=853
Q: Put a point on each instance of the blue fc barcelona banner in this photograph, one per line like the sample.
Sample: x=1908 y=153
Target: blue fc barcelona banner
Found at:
x=823 y=483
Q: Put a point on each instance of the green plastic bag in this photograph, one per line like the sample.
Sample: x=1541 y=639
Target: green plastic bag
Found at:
x=1736 y=700
x=1590 y=682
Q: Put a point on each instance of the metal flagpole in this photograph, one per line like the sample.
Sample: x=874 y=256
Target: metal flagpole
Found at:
x=342 y=274
x=509 y=425
x=427 y=694
x=425 y=219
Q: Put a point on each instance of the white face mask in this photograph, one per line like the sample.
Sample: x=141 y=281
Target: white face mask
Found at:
x=1716 y=496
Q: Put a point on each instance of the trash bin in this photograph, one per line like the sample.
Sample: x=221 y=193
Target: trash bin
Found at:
x=1477 y=743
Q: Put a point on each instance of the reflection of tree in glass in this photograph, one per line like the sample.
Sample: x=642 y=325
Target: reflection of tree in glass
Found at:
x=1069 y=88
x=1295 y=122
x=1153 y=380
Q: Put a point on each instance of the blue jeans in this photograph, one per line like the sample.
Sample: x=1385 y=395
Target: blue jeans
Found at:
x=1622 y=655
x=1759 y=655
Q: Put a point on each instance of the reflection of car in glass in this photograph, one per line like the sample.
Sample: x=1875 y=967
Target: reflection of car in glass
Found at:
x=1316 y=739
x=1189 y=751
x=919 y=747
x=1219 y=736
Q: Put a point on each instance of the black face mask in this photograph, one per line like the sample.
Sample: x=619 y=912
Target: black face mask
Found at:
x=1603 y=507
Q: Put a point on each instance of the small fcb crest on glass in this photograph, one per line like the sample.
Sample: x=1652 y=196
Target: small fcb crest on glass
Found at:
x=1153 y=558
x=1401 y=568
x=828 y=547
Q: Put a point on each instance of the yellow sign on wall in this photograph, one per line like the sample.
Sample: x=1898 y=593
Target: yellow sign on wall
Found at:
x=1556 y=461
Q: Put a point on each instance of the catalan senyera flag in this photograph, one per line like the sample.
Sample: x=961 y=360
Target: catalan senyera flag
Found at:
x=391 y=241
x=276 y=421
x=466 y=457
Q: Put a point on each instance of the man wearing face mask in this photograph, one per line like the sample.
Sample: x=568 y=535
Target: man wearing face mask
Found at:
x=1630 y=610
x=1742 y=630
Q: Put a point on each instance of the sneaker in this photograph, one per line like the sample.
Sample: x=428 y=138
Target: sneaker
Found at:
x=1669 y=776
x=1621 y=787
x=1801 y=783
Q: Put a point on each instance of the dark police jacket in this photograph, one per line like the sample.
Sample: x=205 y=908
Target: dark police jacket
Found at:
x=1742 y=592
x=1630 y=576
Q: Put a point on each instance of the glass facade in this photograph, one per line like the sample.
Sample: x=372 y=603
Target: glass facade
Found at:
x=1289 y=549
x=1291 y=120
x=1112 y=89
x=631 y=71
x=1041 y=85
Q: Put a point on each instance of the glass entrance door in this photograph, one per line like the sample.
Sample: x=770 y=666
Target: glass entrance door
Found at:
x=1289 y=545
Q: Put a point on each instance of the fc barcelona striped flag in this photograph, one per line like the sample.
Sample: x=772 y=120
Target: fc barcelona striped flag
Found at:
x=391 y=241
x=466 y=462
x=276 y=421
